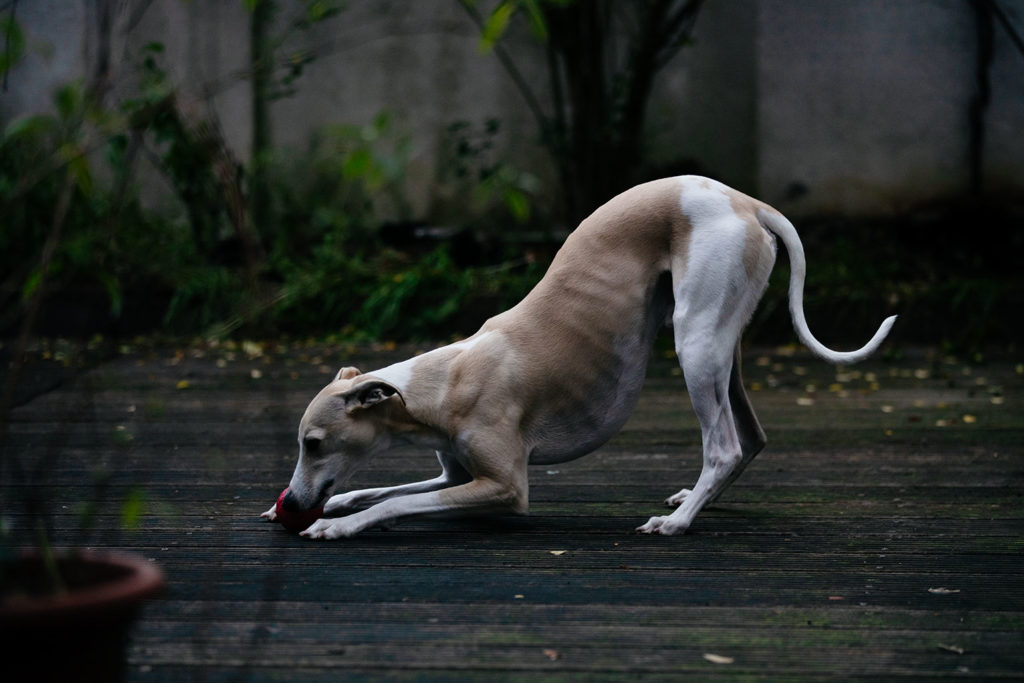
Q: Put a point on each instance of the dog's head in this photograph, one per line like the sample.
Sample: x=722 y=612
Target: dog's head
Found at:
x=342 y=427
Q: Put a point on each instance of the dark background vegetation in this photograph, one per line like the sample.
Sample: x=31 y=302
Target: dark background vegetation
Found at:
x=294 y=245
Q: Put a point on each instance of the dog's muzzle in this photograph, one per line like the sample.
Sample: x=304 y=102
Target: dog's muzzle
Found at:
x=291 y=502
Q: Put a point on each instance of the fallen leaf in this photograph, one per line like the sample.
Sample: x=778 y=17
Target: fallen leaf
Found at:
x=969 y=419
x=718 y=659
x=557 y=552
x=836 y=597
x=551 y=654
x=943 y=591
x=183 y=384
x=952 y=648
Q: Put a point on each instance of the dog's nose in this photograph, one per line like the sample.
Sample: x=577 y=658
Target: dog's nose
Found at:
x=291 y=503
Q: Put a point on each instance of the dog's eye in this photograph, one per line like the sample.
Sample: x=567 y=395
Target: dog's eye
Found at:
x=312 y=444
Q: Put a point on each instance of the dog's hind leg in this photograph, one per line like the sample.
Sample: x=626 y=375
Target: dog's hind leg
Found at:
x=748 y=429
x=708 y=371
x=713 y=302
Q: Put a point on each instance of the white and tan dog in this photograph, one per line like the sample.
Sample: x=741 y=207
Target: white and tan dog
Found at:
x=556 y=376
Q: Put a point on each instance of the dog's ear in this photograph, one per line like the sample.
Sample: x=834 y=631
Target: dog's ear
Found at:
x=367 y=394
x=347 y=373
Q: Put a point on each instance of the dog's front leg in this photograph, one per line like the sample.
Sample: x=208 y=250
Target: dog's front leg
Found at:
x=452 y=474
x=480 y=496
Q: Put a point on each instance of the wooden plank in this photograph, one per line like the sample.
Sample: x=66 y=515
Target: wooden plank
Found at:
x=879 y=534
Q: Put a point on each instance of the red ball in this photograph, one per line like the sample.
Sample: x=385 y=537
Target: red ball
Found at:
x=296 y=521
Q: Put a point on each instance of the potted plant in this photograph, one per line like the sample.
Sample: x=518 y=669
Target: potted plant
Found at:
x=64 y=615
x=77 y=630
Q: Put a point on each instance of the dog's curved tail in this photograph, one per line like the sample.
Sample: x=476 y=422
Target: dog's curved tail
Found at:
x=780 y=226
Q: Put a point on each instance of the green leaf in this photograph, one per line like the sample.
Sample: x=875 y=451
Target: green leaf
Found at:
x=113 y=287
x=538 y=23
x=318 y=10
x=496 y=24
x=67 y=100
x=28 y=126
x=78 y=165
x=32 y=283
x=132 y=508
x=357 y=164
x=13 y=43
x=519 y=204
x=381 y=123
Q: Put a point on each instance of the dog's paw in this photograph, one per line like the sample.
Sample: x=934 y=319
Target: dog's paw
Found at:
x=271 y=514
x=652 y=526
x=329 y=529
x=676 y=499
x=666 y=526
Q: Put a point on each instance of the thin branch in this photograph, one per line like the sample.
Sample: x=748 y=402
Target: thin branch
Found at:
x=137 y=12
x=7 y=40
x=677 y=31
x=1011 y=30
x=28 y=322
x=56 y=162
x=513 y=71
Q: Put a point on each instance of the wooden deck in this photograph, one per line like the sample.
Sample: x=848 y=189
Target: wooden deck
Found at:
x=880 y=534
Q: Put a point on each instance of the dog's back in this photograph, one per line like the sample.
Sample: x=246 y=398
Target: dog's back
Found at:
x=585 y=332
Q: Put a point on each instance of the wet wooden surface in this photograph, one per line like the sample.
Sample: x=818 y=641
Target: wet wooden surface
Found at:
x=881 y=533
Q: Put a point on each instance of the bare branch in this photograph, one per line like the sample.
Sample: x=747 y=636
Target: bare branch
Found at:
x=513 y=71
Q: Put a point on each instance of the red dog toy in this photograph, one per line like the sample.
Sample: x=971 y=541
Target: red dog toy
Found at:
x=296 y=521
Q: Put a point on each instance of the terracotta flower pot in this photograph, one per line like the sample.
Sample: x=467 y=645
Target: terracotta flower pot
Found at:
x=81 y=634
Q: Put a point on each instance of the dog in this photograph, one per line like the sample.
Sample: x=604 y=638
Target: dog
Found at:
x=556 y=376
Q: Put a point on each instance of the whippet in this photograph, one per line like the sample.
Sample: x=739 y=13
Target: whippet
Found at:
x=556 y=376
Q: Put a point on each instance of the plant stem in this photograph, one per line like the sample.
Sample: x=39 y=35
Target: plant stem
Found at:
x=18 y=361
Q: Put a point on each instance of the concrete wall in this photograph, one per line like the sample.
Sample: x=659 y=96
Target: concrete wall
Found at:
x=858 y=107
x=863 y=106
x=704 y=107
